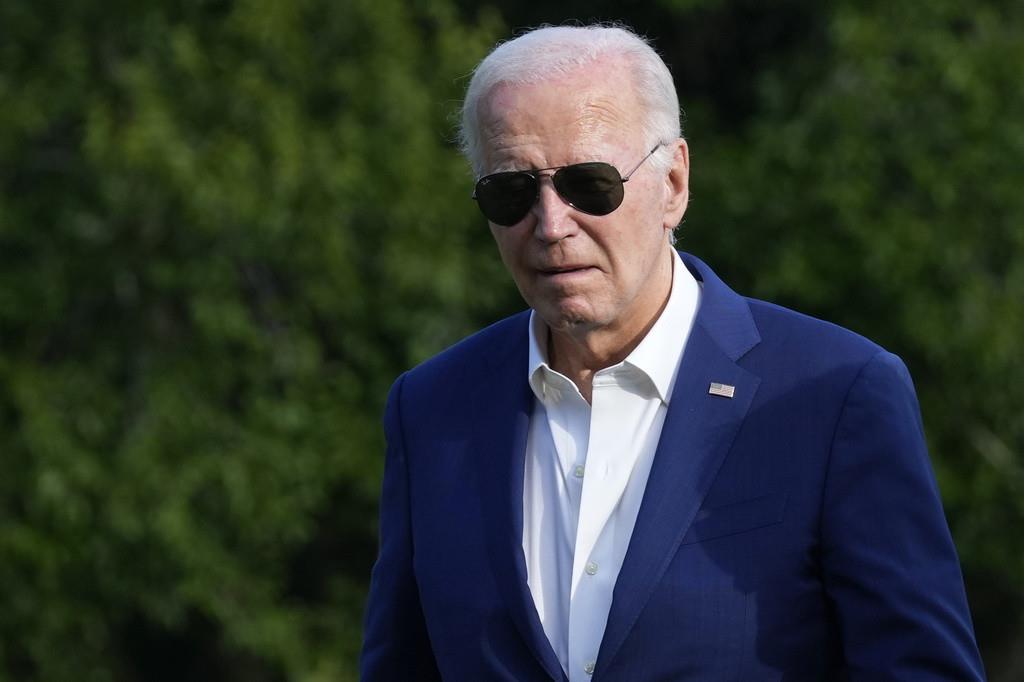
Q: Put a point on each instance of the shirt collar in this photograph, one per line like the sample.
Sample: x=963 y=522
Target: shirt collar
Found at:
x=658 y=354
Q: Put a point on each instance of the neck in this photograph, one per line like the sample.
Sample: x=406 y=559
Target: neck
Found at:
x=579 y=354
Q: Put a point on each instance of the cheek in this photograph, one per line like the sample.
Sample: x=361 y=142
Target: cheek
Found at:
x=501 y=239
x=510 y=248
x=648 y=204
x=631 y=246
x=636 y=254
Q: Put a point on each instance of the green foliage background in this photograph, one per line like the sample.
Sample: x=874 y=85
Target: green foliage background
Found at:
x=225 y=227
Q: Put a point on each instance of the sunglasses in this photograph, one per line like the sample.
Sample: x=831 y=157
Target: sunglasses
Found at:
x=594 y=187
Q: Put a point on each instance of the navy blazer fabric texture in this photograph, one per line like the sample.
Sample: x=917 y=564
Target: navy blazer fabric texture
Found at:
x=791 y=532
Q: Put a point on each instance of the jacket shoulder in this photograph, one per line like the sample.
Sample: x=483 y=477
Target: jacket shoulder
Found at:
x=467 y=360
x=817 y=345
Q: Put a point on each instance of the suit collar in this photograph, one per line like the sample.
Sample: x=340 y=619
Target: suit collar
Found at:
x=723 y=313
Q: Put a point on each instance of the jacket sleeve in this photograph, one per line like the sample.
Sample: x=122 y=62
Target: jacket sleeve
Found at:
x=888 y=559
x=396 y=646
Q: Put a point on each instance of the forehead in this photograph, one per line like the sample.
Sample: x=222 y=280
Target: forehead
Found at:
x=578 y=117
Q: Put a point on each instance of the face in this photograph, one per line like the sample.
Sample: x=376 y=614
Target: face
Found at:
x=584 y=273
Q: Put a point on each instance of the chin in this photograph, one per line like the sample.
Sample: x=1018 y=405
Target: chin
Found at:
x=567 y=318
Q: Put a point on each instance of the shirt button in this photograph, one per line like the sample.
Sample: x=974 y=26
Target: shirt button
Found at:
x=588 y=667
x=578 y=471
x=591 y=567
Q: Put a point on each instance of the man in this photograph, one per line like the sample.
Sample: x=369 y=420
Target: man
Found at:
x=646 y=476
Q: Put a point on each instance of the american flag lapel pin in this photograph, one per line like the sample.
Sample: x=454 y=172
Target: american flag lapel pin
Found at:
x=724 y=390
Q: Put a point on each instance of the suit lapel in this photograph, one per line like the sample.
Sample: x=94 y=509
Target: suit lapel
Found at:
x=503 y=408
x=699 y=430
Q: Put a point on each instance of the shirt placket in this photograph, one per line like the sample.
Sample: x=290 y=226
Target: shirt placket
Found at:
x=608 y=466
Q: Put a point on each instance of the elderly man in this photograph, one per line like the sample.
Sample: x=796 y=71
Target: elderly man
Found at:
x=646 y=476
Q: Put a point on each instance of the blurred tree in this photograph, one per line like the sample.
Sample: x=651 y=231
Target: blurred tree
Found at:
x=224 y=228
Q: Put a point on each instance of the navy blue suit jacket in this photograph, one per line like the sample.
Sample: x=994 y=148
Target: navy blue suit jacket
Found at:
x=791 y=532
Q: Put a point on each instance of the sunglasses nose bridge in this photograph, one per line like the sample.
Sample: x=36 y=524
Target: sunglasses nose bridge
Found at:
x=552 y=211
x=548 y=179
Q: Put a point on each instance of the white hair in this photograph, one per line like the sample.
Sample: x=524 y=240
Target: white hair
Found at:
x=553 y=51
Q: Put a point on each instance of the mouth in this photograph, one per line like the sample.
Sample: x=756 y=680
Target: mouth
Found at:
x=557 y=269
x=565 y=272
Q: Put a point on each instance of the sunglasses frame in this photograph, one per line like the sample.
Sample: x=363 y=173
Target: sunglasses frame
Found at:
x=537 y=173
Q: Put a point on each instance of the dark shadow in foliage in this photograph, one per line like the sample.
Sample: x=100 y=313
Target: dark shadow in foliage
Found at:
x=341 y=543
x=195 y=651
x=717 y=53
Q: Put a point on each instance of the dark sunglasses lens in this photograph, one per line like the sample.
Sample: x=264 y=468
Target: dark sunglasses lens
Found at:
x=506 y=198
x=594 y=188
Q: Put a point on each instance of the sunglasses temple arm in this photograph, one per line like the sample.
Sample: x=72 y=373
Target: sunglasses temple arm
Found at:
x=628 y=175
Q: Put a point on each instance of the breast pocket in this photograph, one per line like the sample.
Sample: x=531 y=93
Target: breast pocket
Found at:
x=737 y=517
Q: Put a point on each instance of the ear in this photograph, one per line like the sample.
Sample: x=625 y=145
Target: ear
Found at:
x=677 y=185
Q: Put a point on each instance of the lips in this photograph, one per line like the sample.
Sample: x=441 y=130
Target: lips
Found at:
x=562 y=269
x=565 y=275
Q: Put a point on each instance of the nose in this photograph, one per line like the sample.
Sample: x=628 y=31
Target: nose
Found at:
x=554 y=214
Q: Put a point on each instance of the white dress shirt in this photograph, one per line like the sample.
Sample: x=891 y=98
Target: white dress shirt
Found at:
x=586 y=470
